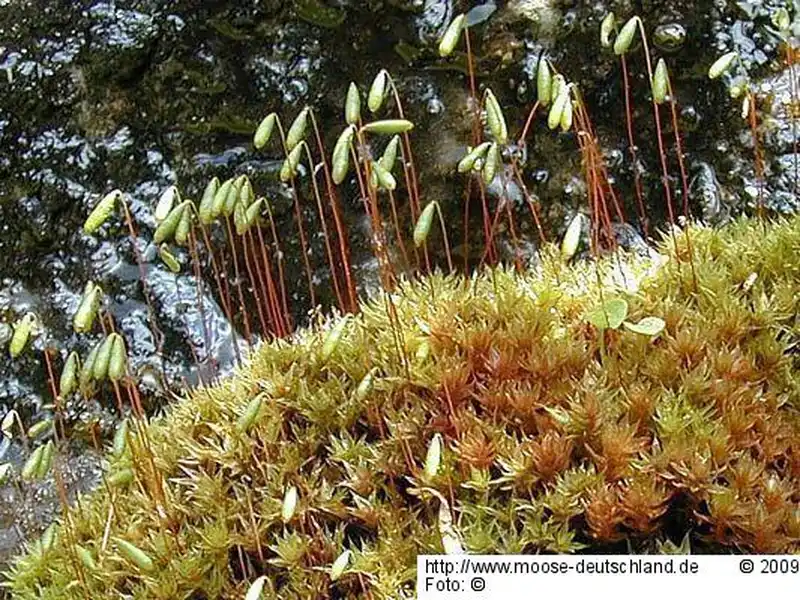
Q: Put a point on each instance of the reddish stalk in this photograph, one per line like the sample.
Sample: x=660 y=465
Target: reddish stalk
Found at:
x=195 y=358
x=409 y=170
x=154 y=479
x=793 y=106
x=477 y=137
x=446 y=242
x=254 y=284
x=408 y=157
x=679 y=148
x=287 y=317
x=323 y=222
x=158 y=335
x=237 y=274
x=584 y=123
x=398 y=232
x=502 y=206
x=531 y=114
x=341 y=232
x=758 y=156
x=378 y=238
x=57 y=400
x=265 y=281
x=637 y=178
x=661 y=152
x=534 y=211
x=597 y=182
x=467 y=196
x=200 y=302
x=684 y=178
x=298 y=214
x=69 y=527
x=514 y=239
x=378 y=242
x=405 y=150
x=223 y=296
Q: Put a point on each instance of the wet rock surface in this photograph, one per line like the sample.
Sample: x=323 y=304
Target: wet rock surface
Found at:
x=139 y=95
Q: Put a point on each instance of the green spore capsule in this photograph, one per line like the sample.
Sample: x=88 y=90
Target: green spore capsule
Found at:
x=433 y=457
x=232 y=197
x=385 y=180
x=246 y=194
x=340 y=564
x=135 y=555
x=572 y=238
x=101 y=362
x=389 y=156
x=184 y=224
x=86 y=558
x=220 y=198
x=452 y=35
x=46 y=462
x=166 y=229
x=166 y=202
x=544 y=82
x=121 y=477
x=30 y=470
x=87 y=308
x=649 y=326
x=22 y=333
x=352 y=105
x=121 y=438
x=495 y=118
x=206 y=209
x=365 y=386
x=492 y=164
x=660 y=85
x=557 y=109
x=251 y=411
x=86 y=375
x=607 y=27
x=423 y=226
x=240 y=219
x=117 y=365
x=625 y=38
x=341 y=155
x=253 y=214
x=334 y=336
x=722 y=65
x=297 y=131
x=289 y=506
x=101 y=212
x=289 y=167
x=169 y=259
x=388 y=126
x=467 y=163
x=566 y=115
x=377 y=91
x=39 y=428
x=264 y=131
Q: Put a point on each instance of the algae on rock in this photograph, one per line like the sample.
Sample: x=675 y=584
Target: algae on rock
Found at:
x=547 y=444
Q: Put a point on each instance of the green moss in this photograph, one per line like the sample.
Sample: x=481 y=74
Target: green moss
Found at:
x=549 y=445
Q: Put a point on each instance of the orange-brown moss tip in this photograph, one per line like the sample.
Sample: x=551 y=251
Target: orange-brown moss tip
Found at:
x=556 y=435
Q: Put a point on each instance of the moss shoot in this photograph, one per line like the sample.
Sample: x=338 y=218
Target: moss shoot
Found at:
x=489 y=414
